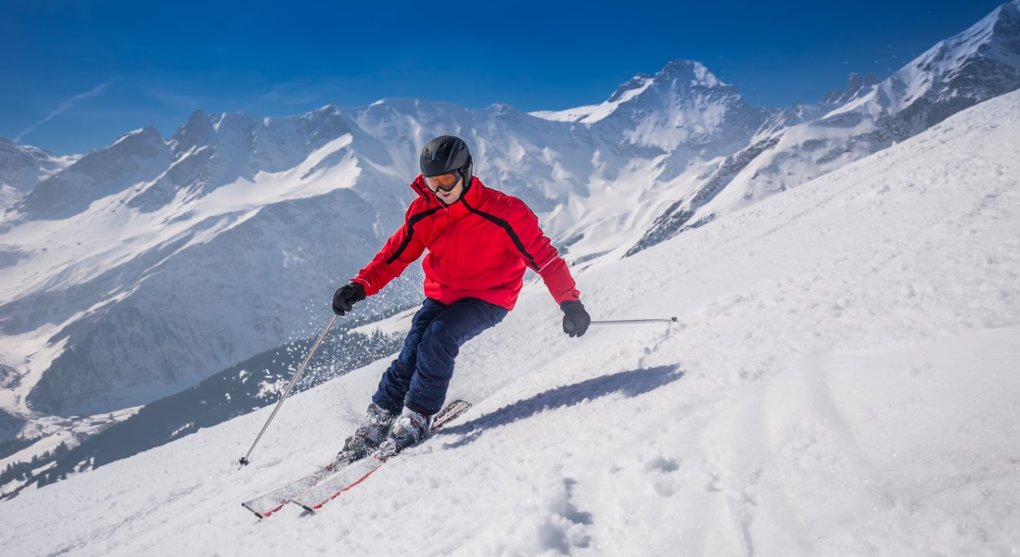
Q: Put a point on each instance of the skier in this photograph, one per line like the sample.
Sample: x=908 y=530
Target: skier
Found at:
x=480 y=241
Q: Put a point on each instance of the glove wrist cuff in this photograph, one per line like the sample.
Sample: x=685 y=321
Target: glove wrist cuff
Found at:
x=571 y=304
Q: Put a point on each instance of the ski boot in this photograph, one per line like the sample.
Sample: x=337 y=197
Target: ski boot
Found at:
x=410 y=428
x=372 y=431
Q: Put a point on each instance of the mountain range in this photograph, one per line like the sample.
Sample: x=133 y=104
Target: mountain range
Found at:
x=135 y=271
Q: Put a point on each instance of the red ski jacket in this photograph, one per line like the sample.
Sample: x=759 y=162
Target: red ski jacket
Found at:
x=479 y=247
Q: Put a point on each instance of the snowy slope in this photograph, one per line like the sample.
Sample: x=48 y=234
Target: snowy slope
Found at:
x=843 y=381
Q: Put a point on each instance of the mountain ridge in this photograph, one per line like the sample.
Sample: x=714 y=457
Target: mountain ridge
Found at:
x=975 y=65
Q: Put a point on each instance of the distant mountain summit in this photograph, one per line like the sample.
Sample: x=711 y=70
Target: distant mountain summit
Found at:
x=959 y=72
x=24 y=166
x=135 y=157
x=797 y=145
x=683 y=105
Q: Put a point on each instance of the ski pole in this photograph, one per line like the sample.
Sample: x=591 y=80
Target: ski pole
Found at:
x=286 y=392
x=630 y=321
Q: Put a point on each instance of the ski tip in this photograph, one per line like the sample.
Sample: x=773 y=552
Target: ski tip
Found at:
x=263 y=514
x=254 y=512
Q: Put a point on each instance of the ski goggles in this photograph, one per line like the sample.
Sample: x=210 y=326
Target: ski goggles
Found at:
x=445 y=182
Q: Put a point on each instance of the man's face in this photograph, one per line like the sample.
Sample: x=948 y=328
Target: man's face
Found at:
x=447 y=187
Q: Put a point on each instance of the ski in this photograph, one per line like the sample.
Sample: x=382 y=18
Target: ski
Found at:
x=270 y=502
x=314 y=497
x=451 y=412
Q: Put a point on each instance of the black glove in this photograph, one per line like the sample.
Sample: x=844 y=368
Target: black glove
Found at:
x=346 y=296
x=575 y=319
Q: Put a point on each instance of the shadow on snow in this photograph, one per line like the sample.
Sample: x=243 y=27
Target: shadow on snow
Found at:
x=628 y=383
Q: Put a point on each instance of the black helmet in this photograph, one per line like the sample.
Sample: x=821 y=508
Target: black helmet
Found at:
x=446 y=154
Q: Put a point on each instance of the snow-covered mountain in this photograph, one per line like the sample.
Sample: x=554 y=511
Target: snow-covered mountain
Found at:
x=24 y=166
x=147 y=266
x=682 y=106
x=842 y=381
x=978 y=64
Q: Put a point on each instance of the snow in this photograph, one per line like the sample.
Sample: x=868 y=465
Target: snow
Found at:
x=843 y=381
x=600 y=112
x=569 y=115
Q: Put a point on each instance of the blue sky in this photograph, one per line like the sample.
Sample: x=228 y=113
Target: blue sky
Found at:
x=76 y=74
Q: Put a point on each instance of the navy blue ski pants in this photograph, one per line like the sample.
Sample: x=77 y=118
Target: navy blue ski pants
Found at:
x=420 y=376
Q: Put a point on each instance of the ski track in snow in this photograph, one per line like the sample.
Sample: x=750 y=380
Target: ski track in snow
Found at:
x=843 y=381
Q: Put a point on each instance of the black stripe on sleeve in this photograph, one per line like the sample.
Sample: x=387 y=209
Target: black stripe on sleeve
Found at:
x=410 y=232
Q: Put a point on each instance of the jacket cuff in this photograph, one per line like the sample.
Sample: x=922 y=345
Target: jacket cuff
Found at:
x=365 y=285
